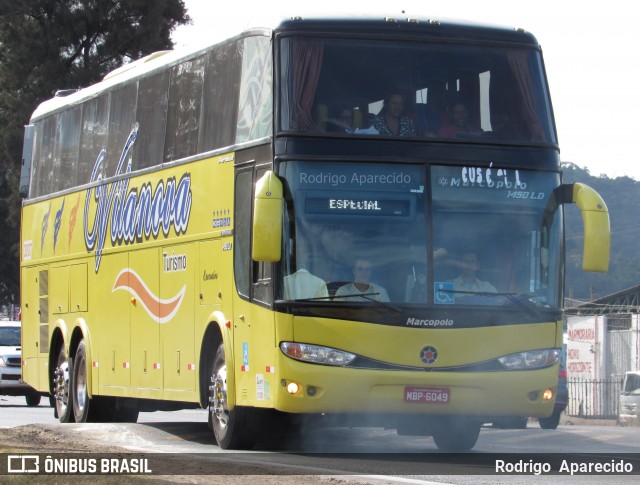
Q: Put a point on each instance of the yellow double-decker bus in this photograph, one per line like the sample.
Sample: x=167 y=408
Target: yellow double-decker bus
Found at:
x=332 y=218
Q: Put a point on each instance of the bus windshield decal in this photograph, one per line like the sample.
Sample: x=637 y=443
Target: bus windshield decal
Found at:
x=351 y=204
x=483 y=177
x=388 y=206
x=488 y=182
x=359 y=179
x=134 y=214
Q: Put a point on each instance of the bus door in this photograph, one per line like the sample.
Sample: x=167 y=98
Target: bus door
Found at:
x=253 y=319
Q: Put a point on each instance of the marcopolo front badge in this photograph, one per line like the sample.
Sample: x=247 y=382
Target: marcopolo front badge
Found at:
x=428 y=354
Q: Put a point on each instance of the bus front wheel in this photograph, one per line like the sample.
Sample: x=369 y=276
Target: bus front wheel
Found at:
x=551 y=422
x=62 y=388
x=456 y=435
x=230 y=426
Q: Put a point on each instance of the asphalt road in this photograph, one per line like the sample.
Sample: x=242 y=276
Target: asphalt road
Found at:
x=374 y=454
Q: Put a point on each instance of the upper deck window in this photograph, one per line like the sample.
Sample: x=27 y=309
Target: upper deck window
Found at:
x=394 y=88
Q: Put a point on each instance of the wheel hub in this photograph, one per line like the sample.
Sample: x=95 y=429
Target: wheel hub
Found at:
x=218 y=396
x=61 y=383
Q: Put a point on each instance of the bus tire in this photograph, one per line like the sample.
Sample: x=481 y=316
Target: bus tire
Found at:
x=61 y=387
x=551 y=422
x=126 y=415
x=230 y=426
x=83 y=407
x=456 y=435
x=33 y=399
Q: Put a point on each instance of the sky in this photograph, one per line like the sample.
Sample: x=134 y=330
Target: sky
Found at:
x=591 y=52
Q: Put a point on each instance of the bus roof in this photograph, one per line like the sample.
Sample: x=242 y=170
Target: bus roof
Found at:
x=423 y=28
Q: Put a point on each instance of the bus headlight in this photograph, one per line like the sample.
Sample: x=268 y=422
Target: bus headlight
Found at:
x=534 y=359
x=316 y=354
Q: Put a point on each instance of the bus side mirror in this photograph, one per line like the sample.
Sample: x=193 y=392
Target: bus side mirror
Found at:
x=597 y=232
x=267 y=218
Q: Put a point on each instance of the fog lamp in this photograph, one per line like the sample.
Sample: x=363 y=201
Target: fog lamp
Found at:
x=547 y=395
x=293 y=387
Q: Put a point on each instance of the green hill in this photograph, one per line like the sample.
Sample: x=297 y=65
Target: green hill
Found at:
x=621 y=195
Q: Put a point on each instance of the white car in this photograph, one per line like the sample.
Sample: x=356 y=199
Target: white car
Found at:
x=11 y=383
x=629 y=409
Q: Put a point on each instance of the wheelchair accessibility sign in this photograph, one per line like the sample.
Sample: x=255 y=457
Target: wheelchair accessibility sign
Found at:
x=444 y=293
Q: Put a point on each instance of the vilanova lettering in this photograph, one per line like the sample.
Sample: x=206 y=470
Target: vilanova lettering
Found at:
x=134 y=214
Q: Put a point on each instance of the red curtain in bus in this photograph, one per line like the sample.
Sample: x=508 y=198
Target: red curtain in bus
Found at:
x=307 y=63
x=520 y=66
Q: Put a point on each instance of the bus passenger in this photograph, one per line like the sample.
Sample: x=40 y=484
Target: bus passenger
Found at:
x=467 y=281
x=302 y=284
x=362 y=289
x=342 y=122
x=391 y=120
x=459 y=122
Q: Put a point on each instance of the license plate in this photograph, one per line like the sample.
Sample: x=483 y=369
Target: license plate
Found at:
x=428 y=395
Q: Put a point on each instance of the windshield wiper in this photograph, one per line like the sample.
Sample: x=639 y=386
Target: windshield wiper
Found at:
x=366 y=297
x=531 y=308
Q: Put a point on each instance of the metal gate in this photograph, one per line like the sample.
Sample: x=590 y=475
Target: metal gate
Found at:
x=594 y=398
x=619 y=349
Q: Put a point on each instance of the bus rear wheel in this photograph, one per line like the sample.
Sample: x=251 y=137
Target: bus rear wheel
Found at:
x=230 y=426
x=62 y=388
x=84 y=408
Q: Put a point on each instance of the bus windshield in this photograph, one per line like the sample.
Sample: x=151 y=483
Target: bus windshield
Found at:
x=421 y=90
x=366 y=232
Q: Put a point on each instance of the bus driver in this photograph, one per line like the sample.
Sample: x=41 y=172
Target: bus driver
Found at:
x=362 y=289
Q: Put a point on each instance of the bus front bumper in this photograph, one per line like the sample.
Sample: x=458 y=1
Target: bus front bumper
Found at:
x=309 y=388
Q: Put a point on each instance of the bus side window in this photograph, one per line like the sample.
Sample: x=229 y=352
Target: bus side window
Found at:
x=122 y=112
x=185 y=102
x=261 y=275
x=95 y=118
x=262 y=282
x=242 y=232
x=153 y=94
x=253 y=279
x=69 y=144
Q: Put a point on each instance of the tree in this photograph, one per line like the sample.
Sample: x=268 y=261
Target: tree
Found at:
x=620 y=195
x=46 y=45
